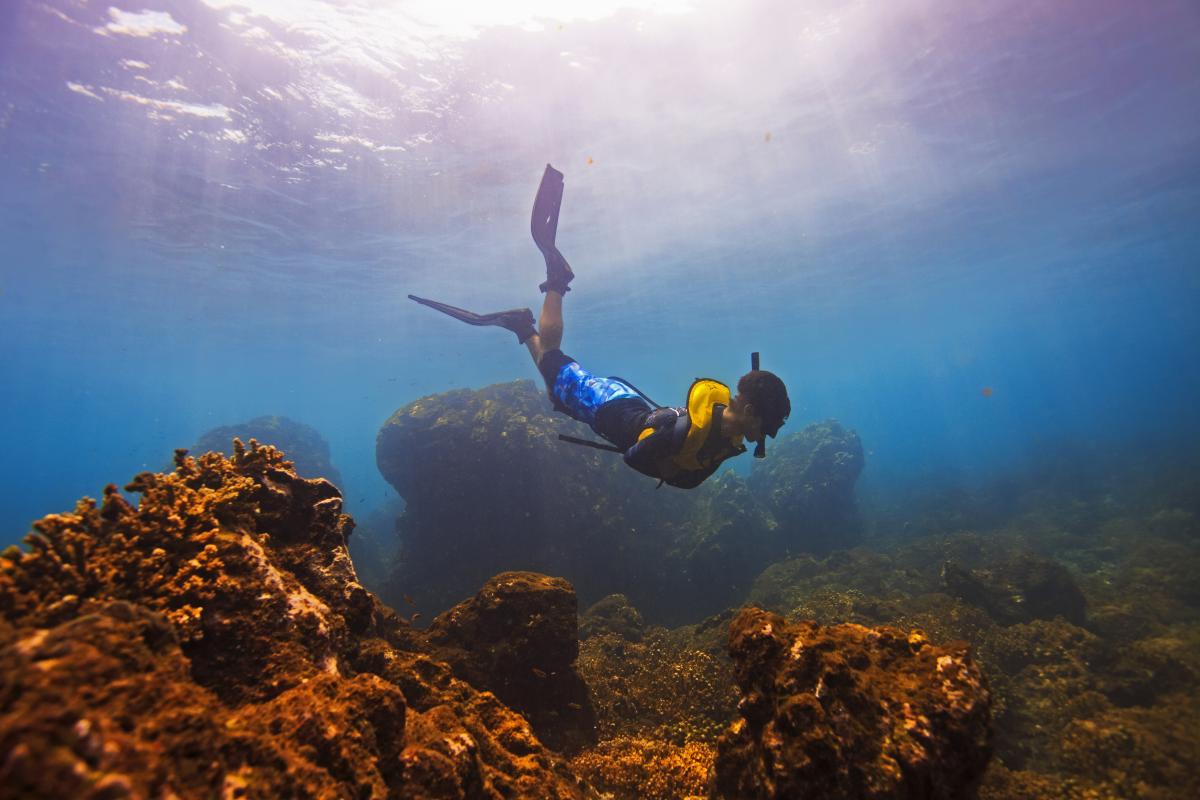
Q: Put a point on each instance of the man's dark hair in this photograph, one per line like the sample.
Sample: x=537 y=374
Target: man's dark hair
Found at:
x=766 y=392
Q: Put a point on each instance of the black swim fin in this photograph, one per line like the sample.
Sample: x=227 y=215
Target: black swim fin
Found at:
x=518 y=320
x=544 y=226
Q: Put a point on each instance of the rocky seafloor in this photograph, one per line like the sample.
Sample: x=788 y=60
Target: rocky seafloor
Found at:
x=1038 y=637
x=1071 y=577
x=213 y=641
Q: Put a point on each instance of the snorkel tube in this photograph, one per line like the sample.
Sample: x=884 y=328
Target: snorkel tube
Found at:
x=760 y=449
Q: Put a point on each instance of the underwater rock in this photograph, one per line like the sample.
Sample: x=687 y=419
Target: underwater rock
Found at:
x=489 y=488
x=214 y=641
x=612 y=614
x=1019 y=590
x=1140 y=673
x=725 y=540
x=849 y=711
x=1041 y=678
x=1103 y=711
x=304 y=446
x=807 y=484
x=855 y=585
x=517 y=638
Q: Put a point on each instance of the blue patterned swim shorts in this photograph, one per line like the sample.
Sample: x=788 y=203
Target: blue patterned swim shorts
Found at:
x=576 y=391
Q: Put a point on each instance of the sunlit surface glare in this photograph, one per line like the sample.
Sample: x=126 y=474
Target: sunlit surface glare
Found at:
x=453 y=19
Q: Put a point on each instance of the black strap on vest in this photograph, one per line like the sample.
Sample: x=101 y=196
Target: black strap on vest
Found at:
x=597 y=445
x=716 y=446
x=638 y=391
x=712 y=443
x=588 y=443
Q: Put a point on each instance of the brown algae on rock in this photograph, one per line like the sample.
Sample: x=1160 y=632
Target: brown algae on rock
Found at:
x=220 y=645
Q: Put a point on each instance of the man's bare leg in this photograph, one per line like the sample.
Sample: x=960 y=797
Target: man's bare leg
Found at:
x=550 y=328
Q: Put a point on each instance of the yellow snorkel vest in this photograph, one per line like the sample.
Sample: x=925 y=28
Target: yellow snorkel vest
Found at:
x=696 y=447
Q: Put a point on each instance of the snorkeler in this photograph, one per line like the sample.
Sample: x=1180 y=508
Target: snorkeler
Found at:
x=679 y=446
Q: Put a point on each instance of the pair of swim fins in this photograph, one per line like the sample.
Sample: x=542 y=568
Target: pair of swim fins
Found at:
x=544 y=227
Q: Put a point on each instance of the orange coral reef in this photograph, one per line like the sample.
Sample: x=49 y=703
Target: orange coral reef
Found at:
x=843 y=711
x=849 y=711
x=214 y=641
x=1102 y=708
x=517 y=637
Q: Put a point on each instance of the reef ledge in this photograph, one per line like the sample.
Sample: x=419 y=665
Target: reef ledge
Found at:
x=214 y=641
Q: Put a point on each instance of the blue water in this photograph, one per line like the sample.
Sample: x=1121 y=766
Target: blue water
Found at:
x=212 y=211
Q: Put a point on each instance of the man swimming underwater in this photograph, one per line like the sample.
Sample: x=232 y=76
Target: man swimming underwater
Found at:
x=680 y=446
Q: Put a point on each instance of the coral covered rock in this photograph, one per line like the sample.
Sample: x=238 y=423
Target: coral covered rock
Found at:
x=517 y=638
x=807 y=484
x=612 y=614
x=1019 y=590
x=726 y=539
x=214 y=641
x=856 y=585
x=849 y=711
x=489 y=488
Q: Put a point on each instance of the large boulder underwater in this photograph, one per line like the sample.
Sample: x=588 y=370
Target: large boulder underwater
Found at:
x=823 y=714
x=807 y=485
x=489 y=487
x=214 y=640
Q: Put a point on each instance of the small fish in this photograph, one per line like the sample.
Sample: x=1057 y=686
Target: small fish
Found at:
x=986 y=391
x=590 y=162
x=408 y=599
x=416 y=616
x=575 y=706
x=539 y=673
